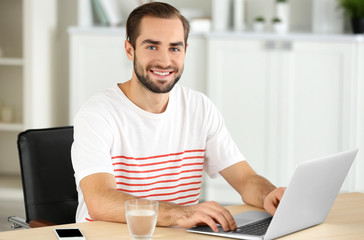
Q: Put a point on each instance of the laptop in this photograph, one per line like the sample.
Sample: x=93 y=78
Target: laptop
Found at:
x=306 y=202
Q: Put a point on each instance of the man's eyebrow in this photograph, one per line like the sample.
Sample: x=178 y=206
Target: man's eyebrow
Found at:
x=177 y=44
x=150 y=41
x=155 y=42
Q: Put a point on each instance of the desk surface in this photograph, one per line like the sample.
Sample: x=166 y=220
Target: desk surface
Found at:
x=345 y=221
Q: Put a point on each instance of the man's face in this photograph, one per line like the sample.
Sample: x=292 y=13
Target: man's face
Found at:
x=159 y=53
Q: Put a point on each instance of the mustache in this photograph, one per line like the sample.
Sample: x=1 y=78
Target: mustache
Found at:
x=171 y=67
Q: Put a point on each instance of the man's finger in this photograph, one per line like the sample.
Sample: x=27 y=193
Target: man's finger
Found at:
x=281 y=191
x=210 y=222
x=273 y=199
x=221 y=215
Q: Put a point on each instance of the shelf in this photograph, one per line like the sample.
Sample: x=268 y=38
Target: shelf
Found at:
x=11 y=61
x=11 y=127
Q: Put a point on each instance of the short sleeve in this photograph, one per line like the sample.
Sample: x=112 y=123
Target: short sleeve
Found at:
x=221 y=150
x=91 y=147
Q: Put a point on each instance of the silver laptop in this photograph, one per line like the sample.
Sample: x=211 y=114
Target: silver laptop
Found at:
x=307 y=201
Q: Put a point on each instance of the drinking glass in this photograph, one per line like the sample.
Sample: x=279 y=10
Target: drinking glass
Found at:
x=141 y=217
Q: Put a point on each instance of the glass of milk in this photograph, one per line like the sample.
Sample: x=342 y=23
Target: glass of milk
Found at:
x=141 y=217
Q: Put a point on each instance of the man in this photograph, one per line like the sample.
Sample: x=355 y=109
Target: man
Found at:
x=151 y=138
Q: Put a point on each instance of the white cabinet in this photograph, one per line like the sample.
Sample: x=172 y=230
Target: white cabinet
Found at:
x=98 y=61
x=284 y=101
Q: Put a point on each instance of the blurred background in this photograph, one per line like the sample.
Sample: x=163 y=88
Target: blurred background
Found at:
x=287 y=76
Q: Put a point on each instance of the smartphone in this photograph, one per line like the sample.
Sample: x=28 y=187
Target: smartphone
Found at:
x=69 y=234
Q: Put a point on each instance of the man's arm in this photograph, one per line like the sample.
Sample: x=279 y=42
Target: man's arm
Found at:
x=254 y=189
x=106 y=203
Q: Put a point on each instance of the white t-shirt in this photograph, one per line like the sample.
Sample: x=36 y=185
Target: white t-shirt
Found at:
x=153 y=156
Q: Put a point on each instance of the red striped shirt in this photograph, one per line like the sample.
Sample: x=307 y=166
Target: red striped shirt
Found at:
x=172 y=177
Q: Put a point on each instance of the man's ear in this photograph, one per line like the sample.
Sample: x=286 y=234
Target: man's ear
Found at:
x=129 y=50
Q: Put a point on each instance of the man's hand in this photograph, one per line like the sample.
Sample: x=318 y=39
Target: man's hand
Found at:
x=272 y=200
x=209 y=213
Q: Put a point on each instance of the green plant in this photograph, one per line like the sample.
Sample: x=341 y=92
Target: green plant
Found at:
x=281 y=1
x=276 y=20
x=353 y=8
x=259 y=19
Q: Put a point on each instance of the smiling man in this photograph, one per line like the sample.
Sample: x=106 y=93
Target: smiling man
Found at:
x=158 y=57
x=151 y=138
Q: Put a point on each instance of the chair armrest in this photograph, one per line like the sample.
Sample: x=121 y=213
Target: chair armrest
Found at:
x=40 y=223
x=18 y=222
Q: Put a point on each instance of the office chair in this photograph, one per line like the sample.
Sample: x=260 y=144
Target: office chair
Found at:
x=49 y=189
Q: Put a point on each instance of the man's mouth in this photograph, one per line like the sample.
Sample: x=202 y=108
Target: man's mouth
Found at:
x=161 y=73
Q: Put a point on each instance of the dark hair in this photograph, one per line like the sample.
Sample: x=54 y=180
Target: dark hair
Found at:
x=154 y=9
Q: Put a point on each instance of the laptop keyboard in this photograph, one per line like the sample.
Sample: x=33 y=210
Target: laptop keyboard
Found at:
x=257 y=228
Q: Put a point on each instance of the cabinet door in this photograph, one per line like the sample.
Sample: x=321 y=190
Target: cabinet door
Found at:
x=97 y=63
x=238 y=83
x=317 y=111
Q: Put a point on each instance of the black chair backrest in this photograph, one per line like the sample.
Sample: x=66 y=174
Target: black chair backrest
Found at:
x=47 y=174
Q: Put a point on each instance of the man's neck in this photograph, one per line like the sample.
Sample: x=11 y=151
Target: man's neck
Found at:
x=143 y=98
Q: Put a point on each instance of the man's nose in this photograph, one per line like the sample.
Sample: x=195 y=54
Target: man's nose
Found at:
x=164 y=58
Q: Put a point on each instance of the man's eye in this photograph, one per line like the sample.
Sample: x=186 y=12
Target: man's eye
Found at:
x=152 y=48
x=175 y=49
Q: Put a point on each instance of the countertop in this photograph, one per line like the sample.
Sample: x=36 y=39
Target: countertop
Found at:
x=232 y=35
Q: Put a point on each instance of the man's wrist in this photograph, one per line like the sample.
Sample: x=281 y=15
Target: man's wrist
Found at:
x=168 y=214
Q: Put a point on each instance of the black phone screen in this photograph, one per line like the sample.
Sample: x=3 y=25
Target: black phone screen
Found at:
x=74 y=232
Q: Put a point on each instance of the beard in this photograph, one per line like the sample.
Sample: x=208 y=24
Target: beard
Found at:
x=145 y=80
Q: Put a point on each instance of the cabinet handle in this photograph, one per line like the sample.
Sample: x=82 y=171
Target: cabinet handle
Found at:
x=278 y=45
x=286 y=45
x=270 y=45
